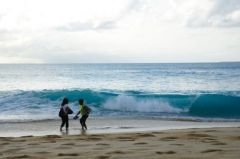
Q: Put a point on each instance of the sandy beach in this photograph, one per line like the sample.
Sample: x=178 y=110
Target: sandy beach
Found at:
x=185 y=143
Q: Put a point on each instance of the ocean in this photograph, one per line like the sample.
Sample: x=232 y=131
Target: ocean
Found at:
x=170 y=91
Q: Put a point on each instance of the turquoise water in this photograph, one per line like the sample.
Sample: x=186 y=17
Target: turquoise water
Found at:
x=207 y=91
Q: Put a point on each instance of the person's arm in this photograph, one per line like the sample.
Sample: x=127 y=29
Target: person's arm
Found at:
x=78 y=113
x=69 y=110
x=76 y=116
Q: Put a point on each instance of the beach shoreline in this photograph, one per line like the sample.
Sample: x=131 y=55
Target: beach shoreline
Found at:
x=103 y=126
x=221 y=142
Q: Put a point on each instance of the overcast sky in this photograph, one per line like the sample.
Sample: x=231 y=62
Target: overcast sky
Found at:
x=102 y=31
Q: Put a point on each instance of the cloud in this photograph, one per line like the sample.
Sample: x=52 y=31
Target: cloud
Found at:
x=105 y=23
x=209 y=13
x=10 y=59
x=133 y=5
x=189 y=13
x=4 y=35
x=85 y=26
x=119 y=31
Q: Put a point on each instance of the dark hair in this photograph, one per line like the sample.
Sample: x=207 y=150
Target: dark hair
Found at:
x=80 y=101
x=65 y=101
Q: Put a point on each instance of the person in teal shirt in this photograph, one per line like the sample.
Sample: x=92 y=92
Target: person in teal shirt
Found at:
x=84 y=110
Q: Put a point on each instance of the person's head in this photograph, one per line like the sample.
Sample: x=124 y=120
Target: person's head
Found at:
x=81 y=101
x=65 y=101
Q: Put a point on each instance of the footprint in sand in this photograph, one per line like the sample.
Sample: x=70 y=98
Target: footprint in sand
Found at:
x=52 y=136
x=158 y=132
x=209 y=140
x=102 y=157
x=169 y=138
x=20 y=140
x=102 y=144
x=50 y=141
x=140 y=143
x=4 y=143
x=211 y=150
x=69 y=144
x=64 y=147
x=235 y=138
x=97 y=135
x=166 y=152
x=211 y=131
x=198 y=135
x=33 y=144
x=13 y=150
x=219 y=143
x=27 y=136
x=116 y=152
x=83 y=145
x=177 y=144
x=43 y=152
x=20 y=156
x=146 y=135
x=68 y=154
x=123 y=138
x=94 y=139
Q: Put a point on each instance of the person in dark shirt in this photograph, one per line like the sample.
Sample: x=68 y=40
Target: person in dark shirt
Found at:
x=63 y=113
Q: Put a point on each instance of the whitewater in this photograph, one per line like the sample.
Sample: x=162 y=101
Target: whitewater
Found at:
x=186 y=91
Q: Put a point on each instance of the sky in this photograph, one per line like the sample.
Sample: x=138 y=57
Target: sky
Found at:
x=119 y=31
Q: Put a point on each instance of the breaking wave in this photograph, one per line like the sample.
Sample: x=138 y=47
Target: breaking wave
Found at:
x=40 y=105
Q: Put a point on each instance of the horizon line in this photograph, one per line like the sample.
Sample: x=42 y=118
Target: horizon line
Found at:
x=127 y=62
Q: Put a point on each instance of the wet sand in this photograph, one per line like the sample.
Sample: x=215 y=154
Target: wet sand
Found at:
x=103 y=125
x=185 y=143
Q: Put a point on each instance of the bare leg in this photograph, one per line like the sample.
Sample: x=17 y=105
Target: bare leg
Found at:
x=63 y=123
x=81 y=122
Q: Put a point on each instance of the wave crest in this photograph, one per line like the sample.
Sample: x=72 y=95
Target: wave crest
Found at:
x=129 y=103
x=35 y=104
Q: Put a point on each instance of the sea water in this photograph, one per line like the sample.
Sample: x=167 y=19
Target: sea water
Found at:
x=196 y=91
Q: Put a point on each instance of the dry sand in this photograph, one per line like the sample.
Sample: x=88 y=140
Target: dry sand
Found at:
x=187 y=143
